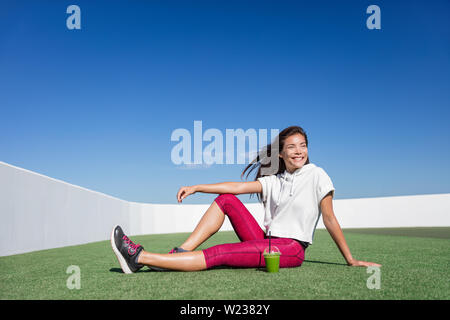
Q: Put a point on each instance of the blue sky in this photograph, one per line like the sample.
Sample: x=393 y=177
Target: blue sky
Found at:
x=96 y=107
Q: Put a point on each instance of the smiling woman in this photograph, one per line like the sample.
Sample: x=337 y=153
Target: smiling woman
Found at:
x=290 y=217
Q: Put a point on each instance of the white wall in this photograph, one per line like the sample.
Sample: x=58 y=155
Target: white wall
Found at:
x=38 y=212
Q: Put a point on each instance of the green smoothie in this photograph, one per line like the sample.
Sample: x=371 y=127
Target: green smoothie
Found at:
x=272 y=261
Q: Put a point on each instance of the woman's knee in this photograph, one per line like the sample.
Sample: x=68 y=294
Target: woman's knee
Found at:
x=224 y=199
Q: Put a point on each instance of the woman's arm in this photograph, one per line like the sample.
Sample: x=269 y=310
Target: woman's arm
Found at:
x=221 y=188
x=333 y=227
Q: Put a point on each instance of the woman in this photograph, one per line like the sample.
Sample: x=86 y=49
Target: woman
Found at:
x=294 y=192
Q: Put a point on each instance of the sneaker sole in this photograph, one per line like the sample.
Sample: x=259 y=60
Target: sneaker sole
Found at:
x=120 y=258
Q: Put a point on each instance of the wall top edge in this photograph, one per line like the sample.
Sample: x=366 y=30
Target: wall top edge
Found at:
x=60 y=181
x=190 y=204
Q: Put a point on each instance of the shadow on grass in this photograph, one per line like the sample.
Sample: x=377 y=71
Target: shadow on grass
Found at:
x=322 y=262
x=312 y=261
x=119 y=270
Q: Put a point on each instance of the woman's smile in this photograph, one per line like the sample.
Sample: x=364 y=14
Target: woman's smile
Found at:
x=295 y=152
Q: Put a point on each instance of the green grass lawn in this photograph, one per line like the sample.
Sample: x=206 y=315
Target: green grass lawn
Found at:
x=415 y=266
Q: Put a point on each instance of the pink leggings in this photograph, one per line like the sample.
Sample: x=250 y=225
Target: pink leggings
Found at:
x=249 y=252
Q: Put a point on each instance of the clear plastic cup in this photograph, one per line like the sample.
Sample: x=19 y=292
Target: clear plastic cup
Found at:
x=272 y=259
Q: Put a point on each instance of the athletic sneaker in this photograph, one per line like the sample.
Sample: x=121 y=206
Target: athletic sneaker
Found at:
x=174 y=250
x=127 y=252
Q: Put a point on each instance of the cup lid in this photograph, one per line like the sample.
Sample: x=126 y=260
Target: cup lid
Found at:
x=273 y=250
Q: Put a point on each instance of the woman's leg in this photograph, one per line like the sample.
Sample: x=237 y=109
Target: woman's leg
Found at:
x=244 y=224
x=249 y=254
x=209 y=224
x=183 y=261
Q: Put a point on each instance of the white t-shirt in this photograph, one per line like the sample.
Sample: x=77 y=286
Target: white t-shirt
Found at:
x=292 y=201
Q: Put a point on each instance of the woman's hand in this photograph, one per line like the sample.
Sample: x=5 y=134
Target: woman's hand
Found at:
x=358 y=263
x=184 y=192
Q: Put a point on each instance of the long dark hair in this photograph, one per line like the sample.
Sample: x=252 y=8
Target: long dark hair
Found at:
x=267 y=161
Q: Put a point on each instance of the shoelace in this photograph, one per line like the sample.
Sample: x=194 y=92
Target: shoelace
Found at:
x=131 y=245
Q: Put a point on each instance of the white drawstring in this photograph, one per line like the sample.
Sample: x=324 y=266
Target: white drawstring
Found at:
x=292 y=186
x=285 y=178
x=281 y=191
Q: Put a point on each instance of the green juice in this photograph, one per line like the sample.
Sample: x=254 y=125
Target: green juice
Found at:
x=272 y=262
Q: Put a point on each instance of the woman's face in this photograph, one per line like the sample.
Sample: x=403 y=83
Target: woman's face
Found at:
x=294 y=152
